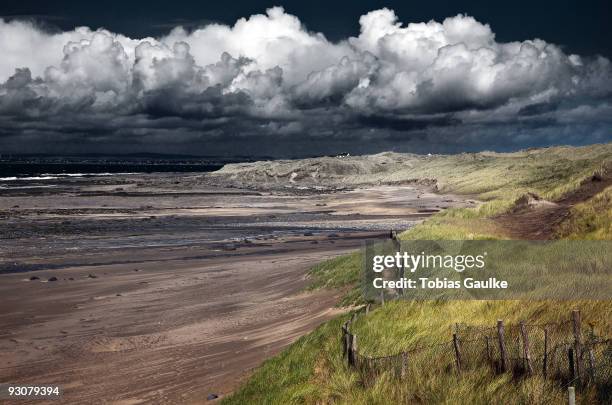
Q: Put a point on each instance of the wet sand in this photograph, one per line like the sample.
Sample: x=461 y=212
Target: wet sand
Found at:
x=168 y=289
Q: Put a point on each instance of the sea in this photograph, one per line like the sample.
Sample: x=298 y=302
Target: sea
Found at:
x=20 y=171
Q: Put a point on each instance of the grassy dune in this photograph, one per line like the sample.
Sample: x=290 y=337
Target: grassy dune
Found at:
x=312 y=370
x=591 y=219
x=500 y=179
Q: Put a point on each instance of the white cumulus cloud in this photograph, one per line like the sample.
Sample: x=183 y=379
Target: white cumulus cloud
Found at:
x=269 y=74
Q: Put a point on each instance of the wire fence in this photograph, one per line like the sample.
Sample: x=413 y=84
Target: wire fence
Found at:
x=562 y=352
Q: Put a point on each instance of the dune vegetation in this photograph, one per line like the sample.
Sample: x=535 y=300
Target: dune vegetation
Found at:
x=312 y=369
x=591 y=219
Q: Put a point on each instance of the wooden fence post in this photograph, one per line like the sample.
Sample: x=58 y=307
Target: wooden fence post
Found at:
x=353 y=351
x=503 y=354
x=577 y=340
x=457 y=352
x=345 y=340
x=404 y=369
x=349 y=342
x=570 y=363
x=545 y=365
x=382 y=297
x=367 y=308
x=397 y=246
x=526 y=353
x=571 y=395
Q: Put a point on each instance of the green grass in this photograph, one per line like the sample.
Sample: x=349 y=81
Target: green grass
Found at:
x=291 y=377
x=311 y=371
x=337 y=272
x=591 y=219
x=401 y=325
x=494 y=176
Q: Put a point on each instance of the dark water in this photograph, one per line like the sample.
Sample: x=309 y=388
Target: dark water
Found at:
x=39 y=169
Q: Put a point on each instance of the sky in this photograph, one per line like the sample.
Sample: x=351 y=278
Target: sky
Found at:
x=302 y=78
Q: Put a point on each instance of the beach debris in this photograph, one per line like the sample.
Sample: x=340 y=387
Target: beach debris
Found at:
x=34 y=278
x=92 y=276
x=210 y=397
x=52 y=278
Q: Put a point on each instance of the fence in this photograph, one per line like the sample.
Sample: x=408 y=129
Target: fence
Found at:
x=565 y=352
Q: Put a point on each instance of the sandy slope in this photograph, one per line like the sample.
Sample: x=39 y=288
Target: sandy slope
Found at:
x=174 y=330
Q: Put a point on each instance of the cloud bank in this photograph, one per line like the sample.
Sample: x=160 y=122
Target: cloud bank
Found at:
x=268 y=86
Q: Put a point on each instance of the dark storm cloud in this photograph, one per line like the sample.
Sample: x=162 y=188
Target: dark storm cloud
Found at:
x=538 y=108
x=406 y=124
x=266 y=85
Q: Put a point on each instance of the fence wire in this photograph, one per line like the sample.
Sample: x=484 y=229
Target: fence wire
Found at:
x=555 y=351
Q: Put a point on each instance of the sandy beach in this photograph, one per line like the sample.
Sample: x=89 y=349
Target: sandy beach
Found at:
x=166 y=288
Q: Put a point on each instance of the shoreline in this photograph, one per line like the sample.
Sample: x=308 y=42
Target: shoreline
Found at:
x=177 y=294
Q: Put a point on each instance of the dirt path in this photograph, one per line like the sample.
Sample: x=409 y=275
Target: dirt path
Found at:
x=540 y=220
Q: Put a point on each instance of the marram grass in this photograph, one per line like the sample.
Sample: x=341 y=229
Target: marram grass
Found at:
x=312 y=370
